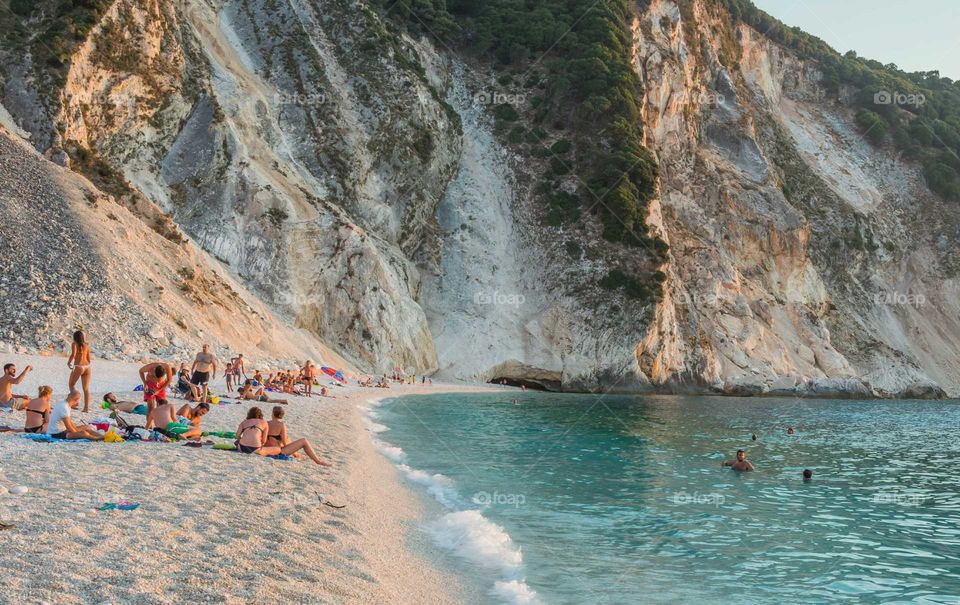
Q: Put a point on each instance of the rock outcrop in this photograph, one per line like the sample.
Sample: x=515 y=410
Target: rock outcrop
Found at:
x=351 y=177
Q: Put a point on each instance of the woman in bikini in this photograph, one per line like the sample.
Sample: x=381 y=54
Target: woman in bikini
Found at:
x=79 y=364
x=38 y=411
x=253 y=433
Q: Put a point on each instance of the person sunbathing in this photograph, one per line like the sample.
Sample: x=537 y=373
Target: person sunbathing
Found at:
x=61 y=426
x=7 y=399
x=252 y=435
x=250 y=393
x=163 y=418
x=37 y=411
x=112 y=403
x=193 y=416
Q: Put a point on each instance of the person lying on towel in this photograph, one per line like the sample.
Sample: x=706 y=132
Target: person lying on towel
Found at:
x=61 y=426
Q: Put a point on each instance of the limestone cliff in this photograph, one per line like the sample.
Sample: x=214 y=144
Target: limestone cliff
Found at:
x=351 y=175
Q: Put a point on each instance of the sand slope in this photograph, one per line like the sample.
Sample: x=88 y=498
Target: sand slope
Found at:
x=210 y=528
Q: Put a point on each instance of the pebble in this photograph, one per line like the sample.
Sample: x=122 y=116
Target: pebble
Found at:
x=19 y=490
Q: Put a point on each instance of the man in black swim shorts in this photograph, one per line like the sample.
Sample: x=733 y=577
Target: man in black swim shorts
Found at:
x=203 y=371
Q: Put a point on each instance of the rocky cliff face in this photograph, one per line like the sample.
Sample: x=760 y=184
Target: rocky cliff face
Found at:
x=352 y=178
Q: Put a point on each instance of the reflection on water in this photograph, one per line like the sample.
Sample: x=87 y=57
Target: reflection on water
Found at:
x=623 y=499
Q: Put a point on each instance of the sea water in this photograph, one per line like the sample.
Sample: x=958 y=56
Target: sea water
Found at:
x=587 y=499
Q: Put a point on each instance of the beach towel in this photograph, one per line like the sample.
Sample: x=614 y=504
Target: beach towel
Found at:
x=123 y=505
x=44 y=438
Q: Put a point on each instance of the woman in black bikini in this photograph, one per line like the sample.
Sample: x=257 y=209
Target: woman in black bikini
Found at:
x=38 y=410
x=252 y=435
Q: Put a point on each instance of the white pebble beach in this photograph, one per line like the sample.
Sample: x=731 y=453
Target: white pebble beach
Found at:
x=213 y=526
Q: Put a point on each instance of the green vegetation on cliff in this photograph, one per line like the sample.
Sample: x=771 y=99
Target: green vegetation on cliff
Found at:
x=570 y=97
x=918 y=112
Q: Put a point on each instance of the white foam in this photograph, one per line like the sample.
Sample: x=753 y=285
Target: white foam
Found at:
x=474 y=537
x=466 y=533
x=515 y=592
x=394 y=453
x=375 y=427
x=439 y=486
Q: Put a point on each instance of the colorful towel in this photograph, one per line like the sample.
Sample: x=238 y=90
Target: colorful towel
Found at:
x=122 y=505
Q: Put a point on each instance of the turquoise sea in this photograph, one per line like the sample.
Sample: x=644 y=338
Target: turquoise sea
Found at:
x=571 y=499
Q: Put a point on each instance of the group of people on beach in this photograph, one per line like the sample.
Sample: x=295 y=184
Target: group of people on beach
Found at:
x=253 y=435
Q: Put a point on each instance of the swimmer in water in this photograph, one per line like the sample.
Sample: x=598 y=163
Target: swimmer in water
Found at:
x=807 y=475
x=753 y=437
x=741 y=464
x=789 y=430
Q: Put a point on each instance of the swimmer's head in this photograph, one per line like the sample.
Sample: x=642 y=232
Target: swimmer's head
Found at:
x=807 y=474
x=741 y=454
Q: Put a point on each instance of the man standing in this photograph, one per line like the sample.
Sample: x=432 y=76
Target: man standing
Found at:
x=238 y=369
x=308 y=375
x=204 y=370
x=7 y=399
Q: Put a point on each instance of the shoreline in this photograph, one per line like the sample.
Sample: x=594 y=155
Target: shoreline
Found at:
x=216 y=526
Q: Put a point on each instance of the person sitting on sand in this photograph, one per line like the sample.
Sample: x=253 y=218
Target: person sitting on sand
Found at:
x=248 y=392
x=155 y=378
x=37 y=411
x=166 y=422
x=325 y=392
x=61 y=426
x=252 y=435
x=7 y=399
x=193 y=416
x=740 y=464
x=79 y=364
x=184 y=388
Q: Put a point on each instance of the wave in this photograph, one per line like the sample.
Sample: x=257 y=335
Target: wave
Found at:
x=465 y=531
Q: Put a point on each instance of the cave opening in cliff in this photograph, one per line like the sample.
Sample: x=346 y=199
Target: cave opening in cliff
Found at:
x=519 y=382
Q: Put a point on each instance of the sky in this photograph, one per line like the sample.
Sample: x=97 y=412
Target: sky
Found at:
x=917 y=35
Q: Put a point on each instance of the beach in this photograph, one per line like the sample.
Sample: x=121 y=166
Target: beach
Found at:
x=213 y=526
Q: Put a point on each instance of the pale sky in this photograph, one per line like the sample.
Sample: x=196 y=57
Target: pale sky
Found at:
x=917 y=35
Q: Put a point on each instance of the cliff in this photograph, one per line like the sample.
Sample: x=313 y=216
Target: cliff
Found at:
x=361 y=180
